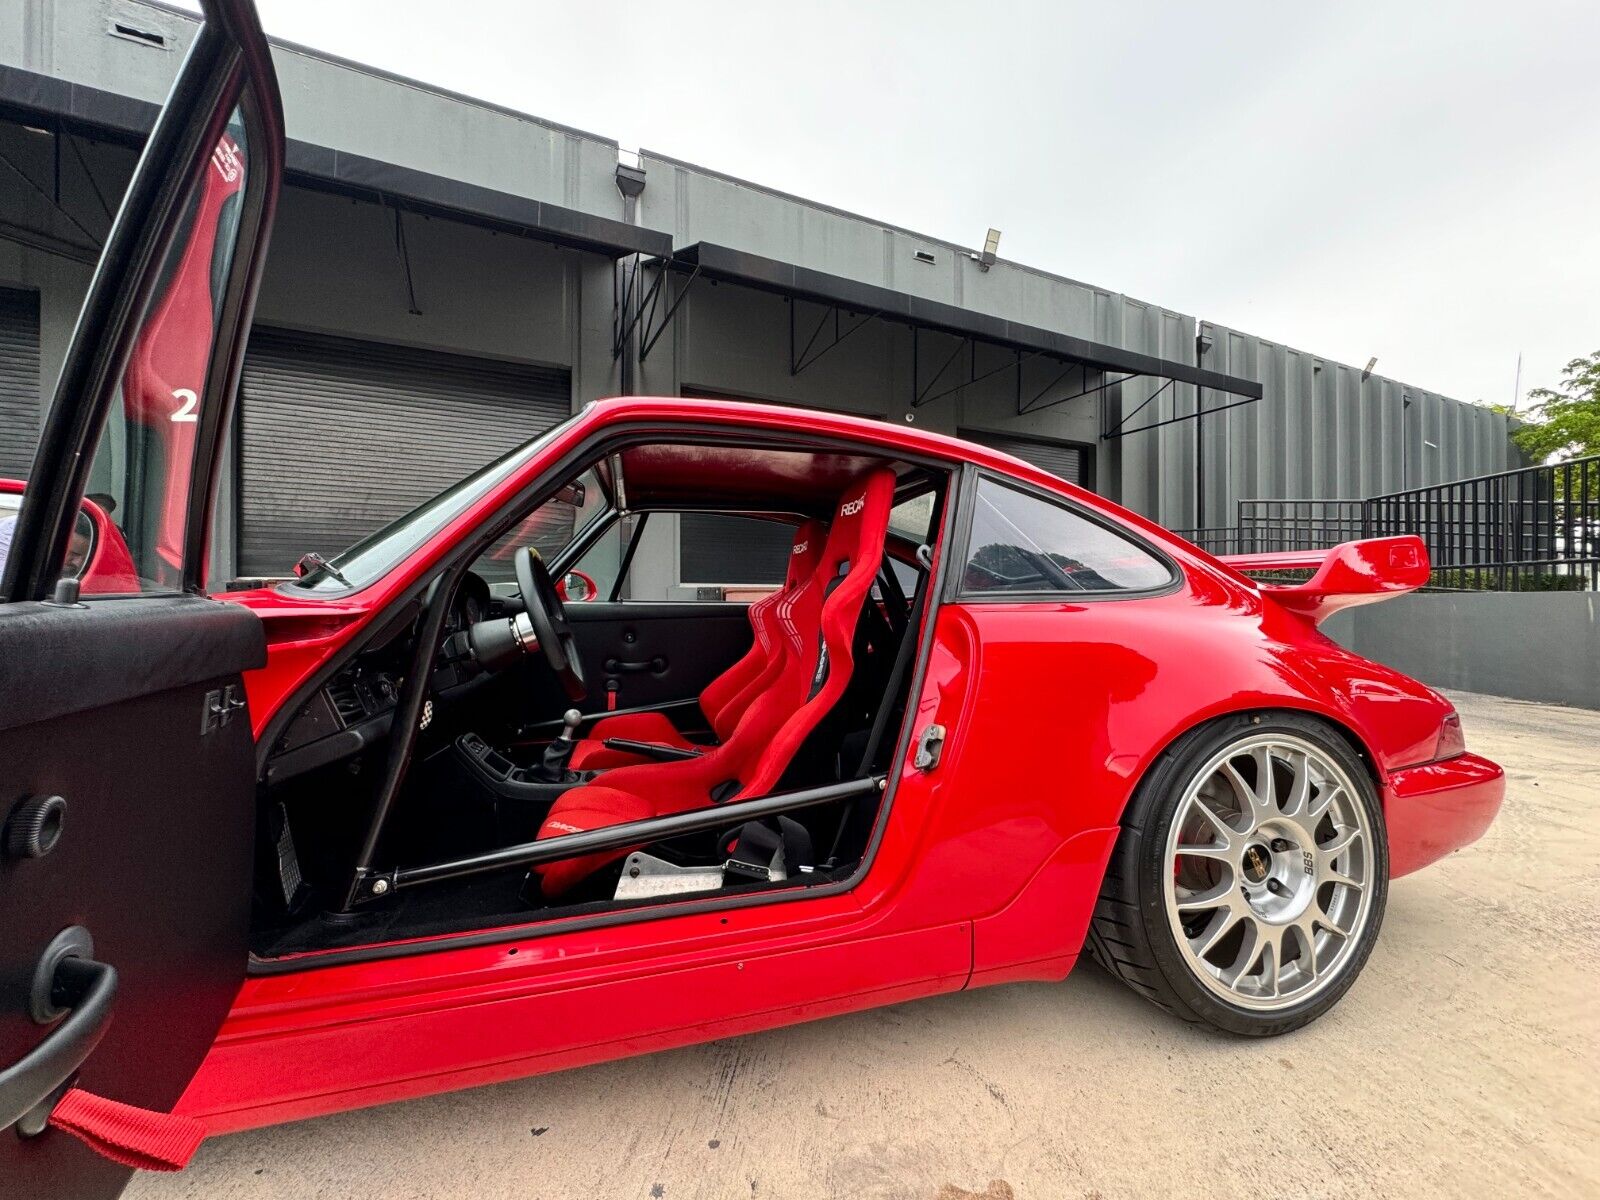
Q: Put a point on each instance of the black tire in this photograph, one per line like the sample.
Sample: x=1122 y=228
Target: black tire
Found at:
x=1130 y=935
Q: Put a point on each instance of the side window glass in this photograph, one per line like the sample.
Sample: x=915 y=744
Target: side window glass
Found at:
x=744 y=557
x=913 y=519
x=549 y=529
x=1023 y=544
x=139 y=483
x=691 y=556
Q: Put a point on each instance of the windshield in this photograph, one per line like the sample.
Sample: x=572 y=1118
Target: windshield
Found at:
x=377 y=554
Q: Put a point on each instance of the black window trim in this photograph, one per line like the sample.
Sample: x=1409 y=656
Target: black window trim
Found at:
x=969 y=503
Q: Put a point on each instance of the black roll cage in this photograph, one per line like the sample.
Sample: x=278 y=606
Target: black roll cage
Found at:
x=615 y=837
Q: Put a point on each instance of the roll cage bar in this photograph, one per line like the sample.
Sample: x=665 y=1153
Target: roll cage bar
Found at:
x=369 y=885
x=377 y=885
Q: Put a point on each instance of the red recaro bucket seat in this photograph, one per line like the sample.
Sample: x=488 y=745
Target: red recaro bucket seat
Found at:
x=816 y=623
x=726 y=697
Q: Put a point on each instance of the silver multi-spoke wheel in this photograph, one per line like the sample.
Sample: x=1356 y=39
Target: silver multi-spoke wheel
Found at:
x=1271 y=865
x=1247 y=887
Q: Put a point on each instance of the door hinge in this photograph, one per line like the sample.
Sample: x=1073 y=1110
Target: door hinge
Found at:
x=930 y=747
x=220 y=707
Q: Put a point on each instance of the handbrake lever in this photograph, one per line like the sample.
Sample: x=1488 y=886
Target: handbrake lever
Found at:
x=650 y=750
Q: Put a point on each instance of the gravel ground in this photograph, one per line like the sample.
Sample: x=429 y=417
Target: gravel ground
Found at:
x=1463 y=1062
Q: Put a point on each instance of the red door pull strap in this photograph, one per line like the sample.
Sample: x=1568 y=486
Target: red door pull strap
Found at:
x=134 y=1137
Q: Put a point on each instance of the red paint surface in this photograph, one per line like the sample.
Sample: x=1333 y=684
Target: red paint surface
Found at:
x=1347 y=575
x=590 y=593
x=109 y=570
x=987 y=869
x=1434 y=809
x=166 y=369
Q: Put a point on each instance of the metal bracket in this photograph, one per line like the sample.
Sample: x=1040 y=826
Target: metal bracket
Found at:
x=644 y=876
x=48 y=243
x=799 y=362
x=52 y=200
x=404 y=251
x=1034 y=405
x=372 y=887
x=628 y=315
x=926 y=395
x=625 y=313
x=649 y=338
x=930 y=748
x=919 y=393
x=1120 y=432
x=83 y=165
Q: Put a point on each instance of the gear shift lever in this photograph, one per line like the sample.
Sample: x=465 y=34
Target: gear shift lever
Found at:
x=553 y=766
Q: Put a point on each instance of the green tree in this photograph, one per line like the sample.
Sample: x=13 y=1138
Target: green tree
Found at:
x=1565 y=422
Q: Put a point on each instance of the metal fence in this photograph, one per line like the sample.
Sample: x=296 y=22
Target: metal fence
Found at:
x=1533 y=529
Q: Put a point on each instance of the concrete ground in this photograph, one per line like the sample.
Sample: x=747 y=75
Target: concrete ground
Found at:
x=1463 y=1062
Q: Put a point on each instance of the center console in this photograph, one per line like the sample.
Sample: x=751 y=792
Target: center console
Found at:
x=509 y=781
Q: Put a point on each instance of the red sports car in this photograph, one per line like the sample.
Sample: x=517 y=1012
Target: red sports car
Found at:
x=412 y=822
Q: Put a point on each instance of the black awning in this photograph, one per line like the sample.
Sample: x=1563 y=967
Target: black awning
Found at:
x=326 y=169
x=789 y=279
x=339 y=171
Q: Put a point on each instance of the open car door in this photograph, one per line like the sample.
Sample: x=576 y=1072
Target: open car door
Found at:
x=126 y=760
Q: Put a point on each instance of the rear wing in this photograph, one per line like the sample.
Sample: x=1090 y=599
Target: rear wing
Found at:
x=1347 y=575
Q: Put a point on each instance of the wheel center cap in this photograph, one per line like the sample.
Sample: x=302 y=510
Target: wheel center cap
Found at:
x=1257 y=863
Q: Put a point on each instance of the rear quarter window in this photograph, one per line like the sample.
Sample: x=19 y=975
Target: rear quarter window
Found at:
x=1023 y=544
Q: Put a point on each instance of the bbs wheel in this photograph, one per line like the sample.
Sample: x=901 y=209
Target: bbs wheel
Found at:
x=1248 y=884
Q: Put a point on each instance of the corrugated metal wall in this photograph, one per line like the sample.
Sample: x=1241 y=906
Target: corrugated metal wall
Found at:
x=1149 y=472
x=338 y=437
x=19 y=381
x=1319 y=432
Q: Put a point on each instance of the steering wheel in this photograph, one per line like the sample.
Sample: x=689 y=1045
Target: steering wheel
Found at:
x=548 y=616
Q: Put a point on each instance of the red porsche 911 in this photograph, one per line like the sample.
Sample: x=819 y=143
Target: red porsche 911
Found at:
x=470 y=801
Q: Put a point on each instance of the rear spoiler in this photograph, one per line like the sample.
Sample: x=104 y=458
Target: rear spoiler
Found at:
x=1347 y=575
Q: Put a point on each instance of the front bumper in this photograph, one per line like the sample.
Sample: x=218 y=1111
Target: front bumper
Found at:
x=1439 y=807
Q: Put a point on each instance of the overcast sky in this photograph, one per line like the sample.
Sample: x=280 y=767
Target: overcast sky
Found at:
x=1415 y=181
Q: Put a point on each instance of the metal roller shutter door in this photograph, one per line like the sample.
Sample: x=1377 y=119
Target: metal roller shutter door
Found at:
x=340 y=437
x=19 y=382
x=1068 y=460
x=718 y=548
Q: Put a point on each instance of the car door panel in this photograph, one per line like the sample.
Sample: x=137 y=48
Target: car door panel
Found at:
x=113 y=650
x=654 y=653
x=155 y=849
x=125 y=719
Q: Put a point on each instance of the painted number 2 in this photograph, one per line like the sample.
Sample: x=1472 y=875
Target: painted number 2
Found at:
x=185 y=411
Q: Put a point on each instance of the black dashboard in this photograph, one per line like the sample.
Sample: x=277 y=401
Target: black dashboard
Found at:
x=353 y=710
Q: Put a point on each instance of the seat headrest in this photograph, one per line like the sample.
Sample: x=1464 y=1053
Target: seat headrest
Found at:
x=806 y=553
x=860 y=520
